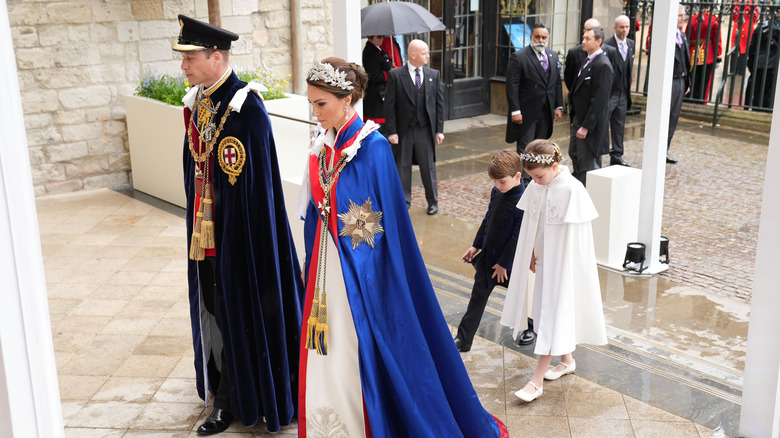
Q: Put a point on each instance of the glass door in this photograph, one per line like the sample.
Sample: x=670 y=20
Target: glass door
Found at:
x=466 y=88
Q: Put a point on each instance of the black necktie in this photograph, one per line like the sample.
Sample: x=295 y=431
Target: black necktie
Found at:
x=417 y=80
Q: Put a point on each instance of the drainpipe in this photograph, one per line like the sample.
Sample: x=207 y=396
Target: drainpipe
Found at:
x=297 y=35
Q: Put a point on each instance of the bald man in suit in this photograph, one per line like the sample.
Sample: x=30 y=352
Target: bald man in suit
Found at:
x=414 y=113
x=620 y=97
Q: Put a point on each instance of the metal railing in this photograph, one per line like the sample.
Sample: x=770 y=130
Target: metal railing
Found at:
x=734 y=51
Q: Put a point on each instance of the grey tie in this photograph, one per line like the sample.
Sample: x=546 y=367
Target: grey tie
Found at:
x=623 y=50
x=417 y=80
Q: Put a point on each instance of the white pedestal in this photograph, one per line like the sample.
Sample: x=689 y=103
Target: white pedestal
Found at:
x=615 y=193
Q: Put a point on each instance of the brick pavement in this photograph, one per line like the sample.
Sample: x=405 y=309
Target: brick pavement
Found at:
x=712 y=204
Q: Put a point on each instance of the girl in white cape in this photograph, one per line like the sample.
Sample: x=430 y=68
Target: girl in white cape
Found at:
x=555 y=243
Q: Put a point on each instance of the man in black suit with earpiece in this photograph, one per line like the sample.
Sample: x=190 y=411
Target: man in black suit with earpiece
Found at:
x=589 y=99
x=414 y=114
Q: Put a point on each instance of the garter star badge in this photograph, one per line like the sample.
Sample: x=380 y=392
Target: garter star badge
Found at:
x=361 y=223
x=231 y=155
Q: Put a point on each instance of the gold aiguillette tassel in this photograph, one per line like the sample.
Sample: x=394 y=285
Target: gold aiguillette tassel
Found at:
x=196 y=252
x=207 y=225
x=322 y=327
x=312 y=322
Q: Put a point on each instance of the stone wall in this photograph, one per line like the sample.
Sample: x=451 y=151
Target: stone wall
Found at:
x=76 y=59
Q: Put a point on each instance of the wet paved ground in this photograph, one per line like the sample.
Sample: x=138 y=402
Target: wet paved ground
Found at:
x=115 y=271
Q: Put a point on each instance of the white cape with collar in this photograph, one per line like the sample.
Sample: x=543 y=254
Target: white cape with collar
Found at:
x=571 y=309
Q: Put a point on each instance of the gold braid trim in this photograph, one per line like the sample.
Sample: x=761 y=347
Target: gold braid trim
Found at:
x=317 y=324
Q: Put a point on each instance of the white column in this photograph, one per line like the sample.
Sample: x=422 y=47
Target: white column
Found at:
x=651 y=198
x=347 y=42
x=760 y=392
x=346 y=30
x=29 y=394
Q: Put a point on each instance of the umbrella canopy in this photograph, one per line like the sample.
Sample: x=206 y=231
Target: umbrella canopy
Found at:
x=397 y=18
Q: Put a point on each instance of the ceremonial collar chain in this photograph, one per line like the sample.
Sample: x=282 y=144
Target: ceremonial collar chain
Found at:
x=326 y=73
x=541 y=159
x=210 y=133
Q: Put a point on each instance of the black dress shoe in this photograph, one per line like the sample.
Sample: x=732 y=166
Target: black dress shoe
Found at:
x=461 y=346
x=218 y=421
x=433 y=209
x=670 y=160
x=618 y=161
x=528 y=337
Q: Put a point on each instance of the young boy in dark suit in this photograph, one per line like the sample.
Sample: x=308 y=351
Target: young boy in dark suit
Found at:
x=493 y=249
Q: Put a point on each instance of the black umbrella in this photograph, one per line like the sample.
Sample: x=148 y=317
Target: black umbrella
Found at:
x=397 y=18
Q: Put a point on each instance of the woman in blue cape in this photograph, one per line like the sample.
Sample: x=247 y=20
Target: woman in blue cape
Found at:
x=377 y=359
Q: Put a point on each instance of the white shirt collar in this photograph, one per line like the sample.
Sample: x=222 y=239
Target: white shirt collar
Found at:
x=595 y=54
x=411 y=70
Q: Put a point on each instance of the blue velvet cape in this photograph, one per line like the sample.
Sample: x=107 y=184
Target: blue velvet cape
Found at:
x=413 y=378
x=257 y=271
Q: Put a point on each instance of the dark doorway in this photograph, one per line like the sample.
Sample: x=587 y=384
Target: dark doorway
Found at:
x=458 y=54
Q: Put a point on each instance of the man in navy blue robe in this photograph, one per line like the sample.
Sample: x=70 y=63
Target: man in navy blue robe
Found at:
x=244 y=277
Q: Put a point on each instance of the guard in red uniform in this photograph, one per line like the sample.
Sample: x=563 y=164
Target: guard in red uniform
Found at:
x=703 y=33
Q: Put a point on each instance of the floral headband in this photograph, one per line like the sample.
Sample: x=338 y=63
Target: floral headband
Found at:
x=546 y=159
x=541 y=159
x=326 y=73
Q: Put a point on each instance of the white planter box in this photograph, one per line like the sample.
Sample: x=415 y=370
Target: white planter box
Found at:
x=156 y=135
x=292 y=138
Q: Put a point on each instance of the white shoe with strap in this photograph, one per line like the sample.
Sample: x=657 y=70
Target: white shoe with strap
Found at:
x=555 y=375
x=526 y=397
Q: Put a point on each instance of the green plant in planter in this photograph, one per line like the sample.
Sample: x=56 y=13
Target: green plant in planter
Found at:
x=264 y=75
x=162 y=87
x=170 y=89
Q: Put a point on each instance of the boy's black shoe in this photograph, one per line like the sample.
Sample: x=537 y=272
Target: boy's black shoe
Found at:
x=528 y=337
x=461 y=346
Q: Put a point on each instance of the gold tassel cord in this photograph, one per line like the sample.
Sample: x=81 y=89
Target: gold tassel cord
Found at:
x=311 y=325
x=317 y=324
x=207 y=226
x=203 y=231
x=196 y=251
x=321 y=337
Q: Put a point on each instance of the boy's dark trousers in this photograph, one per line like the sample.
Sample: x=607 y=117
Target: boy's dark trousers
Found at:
x=480 y=292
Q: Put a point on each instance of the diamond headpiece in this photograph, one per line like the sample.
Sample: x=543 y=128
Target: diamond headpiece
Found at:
x=326 y=73
x=541 y=159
